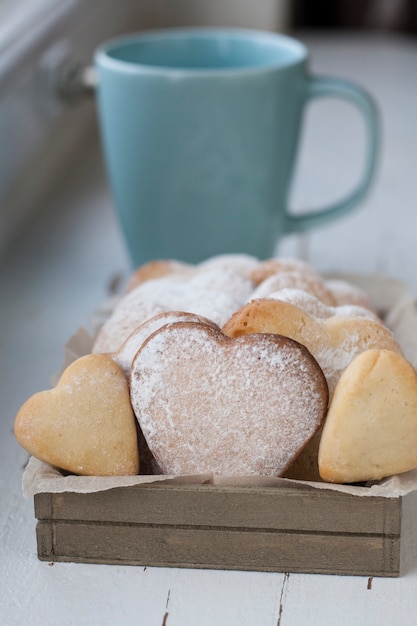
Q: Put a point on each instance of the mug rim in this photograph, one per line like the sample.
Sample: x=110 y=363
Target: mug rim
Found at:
x=102 y=55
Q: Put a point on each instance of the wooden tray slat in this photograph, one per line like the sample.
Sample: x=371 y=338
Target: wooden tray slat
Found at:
x=208 y=505
x=220 y=549
x=264 y=529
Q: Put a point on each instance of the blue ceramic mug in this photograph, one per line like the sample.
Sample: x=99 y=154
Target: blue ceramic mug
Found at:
x=200 y=129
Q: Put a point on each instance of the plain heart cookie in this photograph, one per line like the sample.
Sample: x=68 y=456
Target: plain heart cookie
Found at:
x=371 y=427
x=85 y=425
x=210 y=404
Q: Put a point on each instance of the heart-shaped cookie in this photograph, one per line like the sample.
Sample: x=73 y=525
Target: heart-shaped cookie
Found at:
x=125 y=355
x=346 y=293
x=85 y=425
x=371 y=427
x=242 y=264
x=280 y=265
x=316 y=308
x=159 y=268
x=210 y=404
x=333 y=341
x=274 y=274
x=239 y=262
x=157 y=296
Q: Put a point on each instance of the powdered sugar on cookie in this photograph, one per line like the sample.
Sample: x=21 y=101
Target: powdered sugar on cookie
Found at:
x=294 y=279
x=125 y=355
x=157 y=296
x=332 y=341
x=206 y=403
x=316 y=308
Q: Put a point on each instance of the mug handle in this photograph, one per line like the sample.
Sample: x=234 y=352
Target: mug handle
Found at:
x=328 y=86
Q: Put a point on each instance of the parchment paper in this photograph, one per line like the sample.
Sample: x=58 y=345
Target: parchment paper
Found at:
x=395 y=303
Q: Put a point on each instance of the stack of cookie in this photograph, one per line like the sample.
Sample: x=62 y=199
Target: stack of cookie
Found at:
x=234 y=366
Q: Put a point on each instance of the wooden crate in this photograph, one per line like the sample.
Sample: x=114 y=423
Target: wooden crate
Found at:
x=242 y=528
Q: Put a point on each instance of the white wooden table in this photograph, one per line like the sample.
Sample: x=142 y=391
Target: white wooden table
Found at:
x=61 y=270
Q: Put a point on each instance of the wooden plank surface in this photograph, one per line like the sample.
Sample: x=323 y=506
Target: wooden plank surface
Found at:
x=231 y=507
x=208 y=526
x=219 y=549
